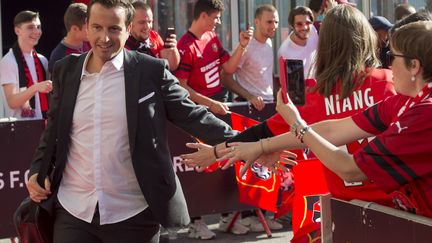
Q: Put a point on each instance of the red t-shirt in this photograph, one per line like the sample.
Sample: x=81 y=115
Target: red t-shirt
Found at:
x=398 y=160
x=152 y=46
x=201 y=61
x=375 y=88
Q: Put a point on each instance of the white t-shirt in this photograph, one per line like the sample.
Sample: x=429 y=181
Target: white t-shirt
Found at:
x=2 y=104
x=255 y=69
x=9 y=75
x=290 y=50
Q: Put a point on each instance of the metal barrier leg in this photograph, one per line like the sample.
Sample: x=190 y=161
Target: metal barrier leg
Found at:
x=233 y=221
x=263 y=222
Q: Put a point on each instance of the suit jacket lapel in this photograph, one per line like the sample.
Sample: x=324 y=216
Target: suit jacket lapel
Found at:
x=70 y=82
x=71 y=85
x=132 y=95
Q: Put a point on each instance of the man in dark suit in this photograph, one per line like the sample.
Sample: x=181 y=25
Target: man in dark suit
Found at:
x=112 y=178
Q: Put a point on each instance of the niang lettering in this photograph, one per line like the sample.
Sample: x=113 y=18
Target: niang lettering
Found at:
x=359 y=100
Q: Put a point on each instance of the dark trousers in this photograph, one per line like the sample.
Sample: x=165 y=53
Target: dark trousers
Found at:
x=140 y=228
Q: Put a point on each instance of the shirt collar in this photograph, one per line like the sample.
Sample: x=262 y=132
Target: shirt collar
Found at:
x=116 y=62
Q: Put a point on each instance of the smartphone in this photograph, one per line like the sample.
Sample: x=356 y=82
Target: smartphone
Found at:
x=292 y=81
x=170 y=31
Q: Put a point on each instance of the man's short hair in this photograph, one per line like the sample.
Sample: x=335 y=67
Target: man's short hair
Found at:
x=76 y=14
x=413 y=41
x=125 y=4
x=419 y=16
x=207 y=6
x=262 y=8
x=403 y=10
x=24 y=17
x=141 y=5
x=300 y=10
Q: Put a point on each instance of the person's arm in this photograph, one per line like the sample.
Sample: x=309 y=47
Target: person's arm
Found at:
x=332 y=133
x=251 y=151
x=171 y=53
x=16 y=100
x=206 y=154
x=337 y=160
x=213 y=105
x=322 y=138
x=36 y=192
x=232 y=85
x=230 y=66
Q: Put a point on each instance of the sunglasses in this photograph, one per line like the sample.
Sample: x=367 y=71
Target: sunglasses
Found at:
x=391 y=56
x=301 y=24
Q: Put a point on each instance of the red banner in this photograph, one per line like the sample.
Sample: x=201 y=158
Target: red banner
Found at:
x=310 y=183
x=259 y=186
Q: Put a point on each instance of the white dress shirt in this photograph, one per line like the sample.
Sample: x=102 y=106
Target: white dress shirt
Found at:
x=99 y=166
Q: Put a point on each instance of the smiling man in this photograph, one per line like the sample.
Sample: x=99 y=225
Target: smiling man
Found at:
x=106 y=135
x=24 y=72
x=144 y=39
x=302 y=42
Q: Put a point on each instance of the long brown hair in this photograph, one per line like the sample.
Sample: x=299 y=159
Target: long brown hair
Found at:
x=347 y=46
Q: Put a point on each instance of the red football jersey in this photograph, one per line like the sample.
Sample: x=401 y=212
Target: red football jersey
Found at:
x=398 y=159
x=375 y=88
x=201 y=61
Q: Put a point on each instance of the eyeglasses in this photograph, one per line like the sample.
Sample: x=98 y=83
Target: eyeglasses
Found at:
x=301 y=24
x=391 y=56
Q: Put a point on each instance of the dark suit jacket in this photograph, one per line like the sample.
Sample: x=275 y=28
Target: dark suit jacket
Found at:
x=146 y=124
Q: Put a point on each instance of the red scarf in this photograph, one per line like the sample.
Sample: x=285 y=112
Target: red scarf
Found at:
x=25 y=77
x=422 y=95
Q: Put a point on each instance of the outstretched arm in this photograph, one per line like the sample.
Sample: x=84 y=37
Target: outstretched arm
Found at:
x=214 y=106
x=322 y=138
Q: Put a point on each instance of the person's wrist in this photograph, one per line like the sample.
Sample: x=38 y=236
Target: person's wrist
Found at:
x=215 y=153
x=264 y=147
x=302 y=132
x=249 y=97
x=226 y=144
x=297 y=125
x=242 y=47
x=34 y=88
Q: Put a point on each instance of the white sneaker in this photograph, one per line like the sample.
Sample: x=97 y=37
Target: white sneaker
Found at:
x=273 y=224
x=253 y=223
x=199 y=230
x=237 y=229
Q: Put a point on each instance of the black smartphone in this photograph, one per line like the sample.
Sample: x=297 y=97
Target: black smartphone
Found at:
x=292 y=80
x=170 y=31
